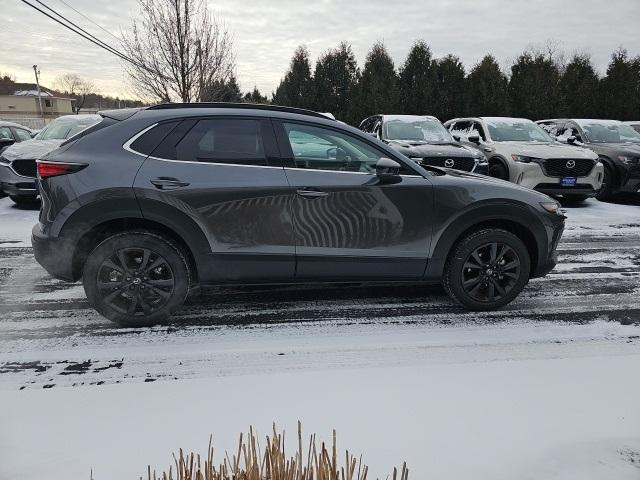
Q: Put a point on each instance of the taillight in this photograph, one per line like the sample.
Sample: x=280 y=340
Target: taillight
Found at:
x=53 y=169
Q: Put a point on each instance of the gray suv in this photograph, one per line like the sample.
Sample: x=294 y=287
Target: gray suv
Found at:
x=149 y=203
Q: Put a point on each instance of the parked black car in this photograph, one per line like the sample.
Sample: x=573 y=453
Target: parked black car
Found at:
x=149 y=203
x=425 y=140
x=18 y=162
x=616 y=143
x=11 y=133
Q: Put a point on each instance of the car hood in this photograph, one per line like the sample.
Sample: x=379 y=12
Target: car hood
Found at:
x=618 y=148
x=501 y=184
x=430 y=150
x=31 y=149
x=548 y=150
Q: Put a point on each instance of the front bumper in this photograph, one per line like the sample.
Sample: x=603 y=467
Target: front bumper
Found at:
x=16 y=185
x=532 y=176
x=554 y=227
x=52 y=254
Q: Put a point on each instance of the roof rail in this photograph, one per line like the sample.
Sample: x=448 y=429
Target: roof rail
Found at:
x=246 y=106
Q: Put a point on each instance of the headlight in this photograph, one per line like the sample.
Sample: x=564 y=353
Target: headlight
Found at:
x=552 y=207
x=628 y=160
x=524 y=158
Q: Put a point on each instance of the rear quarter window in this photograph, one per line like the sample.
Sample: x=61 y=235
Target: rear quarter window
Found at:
x=148 y=141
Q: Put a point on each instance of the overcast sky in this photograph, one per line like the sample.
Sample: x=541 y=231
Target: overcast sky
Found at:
x=267 y=32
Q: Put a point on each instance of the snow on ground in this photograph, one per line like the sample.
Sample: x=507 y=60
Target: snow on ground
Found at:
x=546 y=388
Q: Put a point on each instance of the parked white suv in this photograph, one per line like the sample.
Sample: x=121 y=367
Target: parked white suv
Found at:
x=521 y=152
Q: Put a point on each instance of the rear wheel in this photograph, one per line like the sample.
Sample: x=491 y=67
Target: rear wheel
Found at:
x=487 y=269
x=136 y=278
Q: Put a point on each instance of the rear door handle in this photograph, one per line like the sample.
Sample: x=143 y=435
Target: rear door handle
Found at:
x=307 y=193
x=168 y=183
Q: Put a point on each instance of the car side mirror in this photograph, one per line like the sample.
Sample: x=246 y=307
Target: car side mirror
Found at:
x=5 y=142
x=456 y=137
x=387 y=169
x=474 y=139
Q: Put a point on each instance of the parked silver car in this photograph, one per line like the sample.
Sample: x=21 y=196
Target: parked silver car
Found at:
x=522 y=152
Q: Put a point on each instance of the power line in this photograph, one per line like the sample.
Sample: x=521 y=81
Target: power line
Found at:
x=103 y=44
x=86 y=35
x=89 y=19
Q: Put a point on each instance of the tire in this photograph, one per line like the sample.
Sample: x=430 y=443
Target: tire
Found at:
x=606 y=192
x=23 y=200
x=461 y=267
x=498 y=170
x=114 y=278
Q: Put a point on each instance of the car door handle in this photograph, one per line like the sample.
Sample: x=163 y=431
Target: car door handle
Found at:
x=307 y=193
x=168 y=183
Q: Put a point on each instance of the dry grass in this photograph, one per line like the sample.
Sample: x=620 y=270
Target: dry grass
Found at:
x=250 y=462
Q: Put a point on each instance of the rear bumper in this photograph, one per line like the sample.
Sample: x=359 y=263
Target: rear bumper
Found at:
x=53 y=254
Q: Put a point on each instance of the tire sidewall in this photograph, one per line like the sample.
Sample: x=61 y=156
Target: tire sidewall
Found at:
x=148 y=240
x=453 y=273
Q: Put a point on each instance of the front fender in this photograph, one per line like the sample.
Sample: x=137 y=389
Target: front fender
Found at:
x=486 y=212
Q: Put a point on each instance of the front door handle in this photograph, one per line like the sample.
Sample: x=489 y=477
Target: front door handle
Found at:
x=307 y=193
x=168 y=183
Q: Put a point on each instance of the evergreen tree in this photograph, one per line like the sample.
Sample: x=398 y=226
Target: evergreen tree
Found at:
x=295 y=89
x=416 y=82
x=534 y=90
x=579 y=88
x=620 y=88
x=220 y=91
x=486 y=89
x=378 y=86
x=449 y=87
x=335 y=80
x=255 y=97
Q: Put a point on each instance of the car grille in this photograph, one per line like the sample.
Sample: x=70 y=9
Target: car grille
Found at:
x=26 y=168
x=563 y=167
x=460 y=163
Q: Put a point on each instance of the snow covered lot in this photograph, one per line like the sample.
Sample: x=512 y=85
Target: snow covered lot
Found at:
x=547 y=388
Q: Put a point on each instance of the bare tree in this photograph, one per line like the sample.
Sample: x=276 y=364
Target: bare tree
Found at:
x=75 y=87
x=180 y=50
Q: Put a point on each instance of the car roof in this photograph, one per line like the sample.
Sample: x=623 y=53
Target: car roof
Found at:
x=4 y=123
x=406 y=117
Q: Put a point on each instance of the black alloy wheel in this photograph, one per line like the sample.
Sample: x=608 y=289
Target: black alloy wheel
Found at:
x=490 y=272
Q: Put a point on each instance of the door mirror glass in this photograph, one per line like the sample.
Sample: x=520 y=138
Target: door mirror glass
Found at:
x=387 y=169
x=456 y=137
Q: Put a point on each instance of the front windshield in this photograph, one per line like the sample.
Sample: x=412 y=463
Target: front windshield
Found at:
x=517 y=131
x=63 y=128
x=609 y=132
x=423 y=130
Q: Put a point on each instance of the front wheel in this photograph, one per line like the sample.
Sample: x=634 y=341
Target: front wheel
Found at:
x=136 y=278
x=498 y=170
x=487 y=269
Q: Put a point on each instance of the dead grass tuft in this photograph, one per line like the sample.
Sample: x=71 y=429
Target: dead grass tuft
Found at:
x=250 y=462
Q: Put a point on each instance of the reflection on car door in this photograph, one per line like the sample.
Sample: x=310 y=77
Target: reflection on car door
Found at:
x=225 y=174
x=347 y=223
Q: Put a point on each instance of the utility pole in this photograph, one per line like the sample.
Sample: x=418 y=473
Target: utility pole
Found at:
x=37 y=72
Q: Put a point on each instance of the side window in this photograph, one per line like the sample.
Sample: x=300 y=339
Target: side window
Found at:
x=5 y=133
x=149 y=140
x=377 y=127
x=551 y=128
x=365 y=126
x=22 y=134
x=461 y=129
x=318 y=148
x=476 y=129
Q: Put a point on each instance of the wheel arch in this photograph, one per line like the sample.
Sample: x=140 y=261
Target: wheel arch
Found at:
x=91 y=224
x=512 y=218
